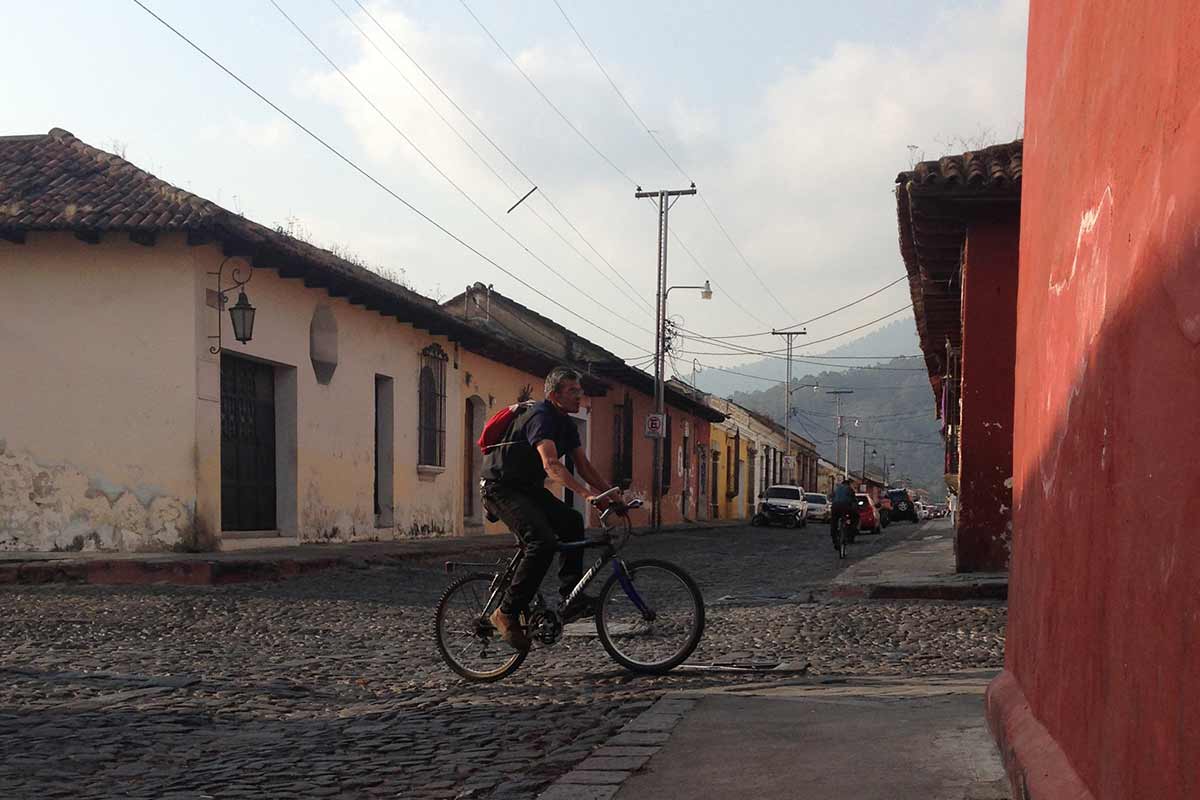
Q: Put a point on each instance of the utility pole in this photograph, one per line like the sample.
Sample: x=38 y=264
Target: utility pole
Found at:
x=787 y=396
x=666 y=198
x=837 y=393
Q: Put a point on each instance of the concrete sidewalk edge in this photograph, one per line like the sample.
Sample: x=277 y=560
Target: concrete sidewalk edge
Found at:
x=214 y=569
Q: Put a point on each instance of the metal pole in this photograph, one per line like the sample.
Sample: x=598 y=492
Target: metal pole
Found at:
x=663 y=197
x=837 y=393
x=787 y=395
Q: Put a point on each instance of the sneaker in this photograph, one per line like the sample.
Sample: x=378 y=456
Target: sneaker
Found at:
x=510 y=630
x=581 y=606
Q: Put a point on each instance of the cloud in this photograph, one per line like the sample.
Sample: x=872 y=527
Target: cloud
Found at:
x=801 y=172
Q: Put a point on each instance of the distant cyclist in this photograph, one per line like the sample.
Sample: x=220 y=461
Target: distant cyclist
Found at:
x=845 y=505
x=514 y=476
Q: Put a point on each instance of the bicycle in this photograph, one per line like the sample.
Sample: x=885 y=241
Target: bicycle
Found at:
x=649 y=614
x=844 y=532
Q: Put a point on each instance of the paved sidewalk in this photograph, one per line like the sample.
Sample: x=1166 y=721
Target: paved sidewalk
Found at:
x=899 y=739
x=920 y=567
x=242 y=566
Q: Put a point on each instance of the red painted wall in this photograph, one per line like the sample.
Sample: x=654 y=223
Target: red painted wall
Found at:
x=602 y=416
x=1104 y=625
x=989 y=341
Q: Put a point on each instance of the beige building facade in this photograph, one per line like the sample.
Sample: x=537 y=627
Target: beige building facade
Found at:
x=350 y=414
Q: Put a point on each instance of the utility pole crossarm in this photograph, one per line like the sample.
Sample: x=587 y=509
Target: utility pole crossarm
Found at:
x=639 y=194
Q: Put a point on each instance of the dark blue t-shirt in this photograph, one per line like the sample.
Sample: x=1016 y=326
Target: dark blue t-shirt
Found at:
x=516 y=462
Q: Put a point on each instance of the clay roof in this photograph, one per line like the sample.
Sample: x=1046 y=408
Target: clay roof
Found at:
x=599 y=362
x=935 y=201
x=55 y=182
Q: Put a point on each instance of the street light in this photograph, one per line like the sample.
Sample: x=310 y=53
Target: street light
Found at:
x=241 y=315
x=660 y=396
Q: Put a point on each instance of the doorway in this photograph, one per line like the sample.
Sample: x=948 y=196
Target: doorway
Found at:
x=248 y=484
x=474 y=413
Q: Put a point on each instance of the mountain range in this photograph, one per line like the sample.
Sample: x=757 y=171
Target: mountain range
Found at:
x=891 y=407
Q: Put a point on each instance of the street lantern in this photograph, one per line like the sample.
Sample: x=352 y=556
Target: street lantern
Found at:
x=242 y=317
x=706 y=292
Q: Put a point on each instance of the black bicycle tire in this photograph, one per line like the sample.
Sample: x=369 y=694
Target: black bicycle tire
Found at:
x=479 y=677
x=693 y=640
x=841 y=540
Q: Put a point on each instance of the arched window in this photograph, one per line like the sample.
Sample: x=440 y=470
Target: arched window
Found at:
x=431 y=405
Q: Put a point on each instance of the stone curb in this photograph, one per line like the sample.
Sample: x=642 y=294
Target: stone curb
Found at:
x=923 y=590
x=600 y=775
x=193 y=571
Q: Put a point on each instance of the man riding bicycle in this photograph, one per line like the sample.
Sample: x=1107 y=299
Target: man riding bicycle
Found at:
x=513 y=489
x=844 y=507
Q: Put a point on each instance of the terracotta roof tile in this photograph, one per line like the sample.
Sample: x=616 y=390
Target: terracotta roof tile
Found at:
x=55 y=182
x=933 y=202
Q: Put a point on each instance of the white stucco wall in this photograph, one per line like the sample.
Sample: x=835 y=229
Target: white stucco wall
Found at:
x=96 y=394
x=110 y=403
x=335 y=423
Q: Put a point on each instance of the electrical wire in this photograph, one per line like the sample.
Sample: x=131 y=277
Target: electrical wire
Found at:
x=816 y=318
x=542 y=193
x=433 y=165
x=737 y=349
x=378 y=183
x=549 y=102
x=914 y=385
x=589 y=142
x=641 y=123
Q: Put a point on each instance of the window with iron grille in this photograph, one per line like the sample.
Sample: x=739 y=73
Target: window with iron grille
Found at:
x=622 y=465
x=431 y=389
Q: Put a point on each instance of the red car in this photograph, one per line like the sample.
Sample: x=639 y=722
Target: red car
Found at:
x=868 y=520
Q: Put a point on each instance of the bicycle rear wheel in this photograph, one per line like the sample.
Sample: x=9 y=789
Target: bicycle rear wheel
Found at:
x=841 y=540
x=466 y=639
x=652 y=621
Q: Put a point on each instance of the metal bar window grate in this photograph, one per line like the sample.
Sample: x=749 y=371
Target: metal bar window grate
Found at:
x=431 y=431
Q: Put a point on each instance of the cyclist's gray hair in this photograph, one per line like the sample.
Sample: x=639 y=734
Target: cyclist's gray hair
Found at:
x=556 y=377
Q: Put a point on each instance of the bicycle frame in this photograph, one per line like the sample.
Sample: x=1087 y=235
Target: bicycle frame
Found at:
x=503 y=577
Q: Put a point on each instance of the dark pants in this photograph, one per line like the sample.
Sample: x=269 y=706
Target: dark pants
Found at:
x=540 y=520
x=842 y=511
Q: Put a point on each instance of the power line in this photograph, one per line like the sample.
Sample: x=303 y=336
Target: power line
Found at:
x=817 y=318
x=590 y=144
x=707 y=274
x=479 y=156
x=737 y=349
x=379 y=184
x=549 y=102
x=914 y=385
x=641 y=123
x=541 y=190
x=465 y=194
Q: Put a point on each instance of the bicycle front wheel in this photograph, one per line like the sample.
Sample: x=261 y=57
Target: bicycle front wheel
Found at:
x=653 y=619
x=466 y=639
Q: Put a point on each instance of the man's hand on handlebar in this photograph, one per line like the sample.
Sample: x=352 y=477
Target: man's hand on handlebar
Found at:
x=609 y=499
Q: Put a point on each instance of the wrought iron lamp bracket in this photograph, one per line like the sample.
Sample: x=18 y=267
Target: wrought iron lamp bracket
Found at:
x=240 y=279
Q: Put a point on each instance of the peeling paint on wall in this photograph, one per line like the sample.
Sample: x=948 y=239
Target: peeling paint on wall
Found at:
x=58 y=508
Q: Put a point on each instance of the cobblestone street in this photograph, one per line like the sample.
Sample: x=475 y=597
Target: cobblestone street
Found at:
x=330 y=685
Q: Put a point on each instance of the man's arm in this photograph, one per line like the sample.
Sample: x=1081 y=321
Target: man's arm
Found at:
x=588 y=471
x=555 y=469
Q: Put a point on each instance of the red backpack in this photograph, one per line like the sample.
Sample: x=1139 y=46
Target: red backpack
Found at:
x=496 y=428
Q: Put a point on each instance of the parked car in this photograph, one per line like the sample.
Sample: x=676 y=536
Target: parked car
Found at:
x=783 y=505
x=884 y=507
x=818 y=506
x=868 y=520
x=902 y=506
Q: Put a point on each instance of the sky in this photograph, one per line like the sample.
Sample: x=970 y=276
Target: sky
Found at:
x=792 y=118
